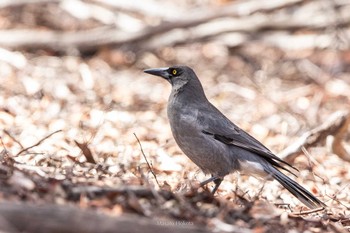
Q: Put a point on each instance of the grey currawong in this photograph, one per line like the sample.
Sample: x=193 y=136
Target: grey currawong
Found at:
x=213 y=142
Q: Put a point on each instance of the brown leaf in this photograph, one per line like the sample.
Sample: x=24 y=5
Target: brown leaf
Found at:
x=86 y=151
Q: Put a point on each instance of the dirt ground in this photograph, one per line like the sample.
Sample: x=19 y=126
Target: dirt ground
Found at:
x=73 y=109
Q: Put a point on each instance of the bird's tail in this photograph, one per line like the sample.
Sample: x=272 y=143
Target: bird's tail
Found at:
x=296 y=189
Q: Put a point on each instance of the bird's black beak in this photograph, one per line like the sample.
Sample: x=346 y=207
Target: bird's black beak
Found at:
x=162 y=72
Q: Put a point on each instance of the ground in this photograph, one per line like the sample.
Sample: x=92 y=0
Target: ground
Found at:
x=87 y=128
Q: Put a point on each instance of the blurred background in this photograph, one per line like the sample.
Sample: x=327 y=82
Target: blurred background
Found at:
x=277 y=68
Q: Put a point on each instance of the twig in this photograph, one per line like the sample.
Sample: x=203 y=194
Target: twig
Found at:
x=334 y=197
x=38 y=143
x=4 y=151
x=5 y=157
x=13 y=138
x=295 y=214
x=144 y=156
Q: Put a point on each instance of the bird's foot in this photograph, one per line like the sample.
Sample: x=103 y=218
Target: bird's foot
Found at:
x=217 y=181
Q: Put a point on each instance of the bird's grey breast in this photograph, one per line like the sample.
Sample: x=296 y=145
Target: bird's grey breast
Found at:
x=187 y=128
x=183 y=120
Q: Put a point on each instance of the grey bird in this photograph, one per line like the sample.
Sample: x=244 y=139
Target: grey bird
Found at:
x=213 y=142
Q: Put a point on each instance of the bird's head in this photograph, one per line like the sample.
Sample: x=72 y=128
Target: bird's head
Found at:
x=177 y=76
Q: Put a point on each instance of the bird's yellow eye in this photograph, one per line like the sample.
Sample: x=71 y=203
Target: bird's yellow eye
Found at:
x=174 y=72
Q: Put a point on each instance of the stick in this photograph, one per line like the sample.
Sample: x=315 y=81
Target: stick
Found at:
x=74 y=193
x=13 y=138
x=38 y=143
x=192 y=27
x=25 y=217
x=331 y=126
x=144 y=156
x=295 y=214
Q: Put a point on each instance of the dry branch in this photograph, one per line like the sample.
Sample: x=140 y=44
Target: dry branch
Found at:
x=14 y=3
x=192 y=27
x=305 y=212
x=93 y=191
x=332 y=126
x=166 y=13
x=53 y=218
x=38 y=143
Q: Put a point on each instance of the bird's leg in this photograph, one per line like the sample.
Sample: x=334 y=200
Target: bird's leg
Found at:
x=212 y=178
x=216 y=179
x=217 y=183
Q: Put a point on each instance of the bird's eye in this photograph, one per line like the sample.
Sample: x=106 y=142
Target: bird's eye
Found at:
x=174 y=71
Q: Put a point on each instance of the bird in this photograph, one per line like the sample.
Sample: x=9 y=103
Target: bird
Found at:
x=214 y=143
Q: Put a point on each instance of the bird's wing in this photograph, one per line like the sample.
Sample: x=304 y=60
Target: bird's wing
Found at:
x=223 y=130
